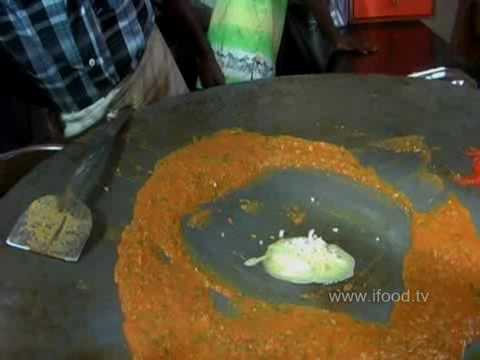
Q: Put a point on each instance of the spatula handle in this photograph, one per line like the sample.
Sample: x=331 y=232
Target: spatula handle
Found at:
x=94 y=160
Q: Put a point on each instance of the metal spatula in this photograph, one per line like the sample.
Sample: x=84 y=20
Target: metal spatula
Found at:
x=59 y=225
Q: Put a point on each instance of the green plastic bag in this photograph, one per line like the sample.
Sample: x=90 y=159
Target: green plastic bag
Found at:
x=245 y=36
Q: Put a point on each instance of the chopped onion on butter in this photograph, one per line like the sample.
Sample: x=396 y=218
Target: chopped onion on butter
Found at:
x=306 y=260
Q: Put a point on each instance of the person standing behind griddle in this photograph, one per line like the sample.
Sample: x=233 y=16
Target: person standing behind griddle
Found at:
x=93 y=57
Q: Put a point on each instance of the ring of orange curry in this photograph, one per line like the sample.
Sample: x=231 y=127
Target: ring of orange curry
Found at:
x=169 y=314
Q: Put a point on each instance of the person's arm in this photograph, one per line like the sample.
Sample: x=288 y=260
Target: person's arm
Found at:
x=342 y=42
x=209 y=71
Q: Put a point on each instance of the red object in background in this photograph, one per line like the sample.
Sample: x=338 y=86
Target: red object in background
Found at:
x=377 y=10
x=474 y=179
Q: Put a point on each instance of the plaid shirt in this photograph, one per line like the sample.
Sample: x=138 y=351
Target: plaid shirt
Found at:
x=77 y=50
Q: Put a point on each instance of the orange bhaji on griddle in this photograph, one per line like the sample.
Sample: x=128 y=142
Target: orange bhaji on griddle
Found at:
x=169 y=314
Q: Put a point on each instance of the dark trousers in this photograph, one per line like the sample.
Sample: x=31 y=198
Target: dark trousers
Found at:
x=24 y=115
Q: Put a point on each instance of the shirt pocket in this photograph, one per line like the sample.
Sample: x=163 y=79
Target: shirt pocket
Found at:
x=82 y=34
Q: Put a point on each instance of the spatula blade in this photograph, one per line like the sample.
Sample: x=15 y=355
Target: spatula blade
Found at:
x=67 y=245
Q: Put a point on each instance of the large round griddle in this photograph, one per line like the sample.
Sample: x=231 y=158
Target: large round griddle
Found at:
x=54 y=310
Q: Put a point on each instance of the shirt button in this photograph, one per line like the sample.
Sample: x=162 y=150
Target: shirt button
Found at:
x=91 y=62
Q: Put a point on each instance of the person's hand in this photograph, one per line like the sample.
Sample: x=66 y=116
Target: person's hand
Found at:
x=346 y=43
x=210 y=72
